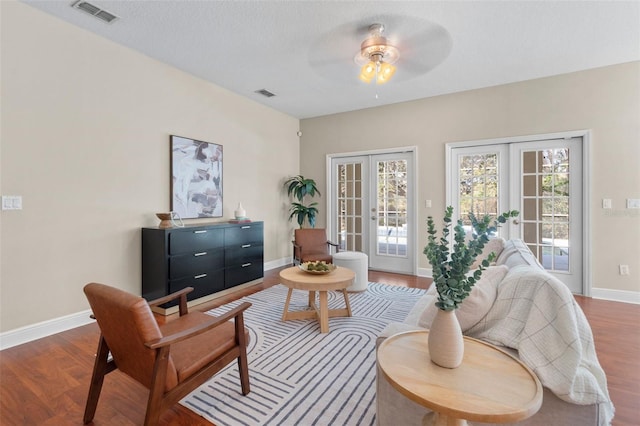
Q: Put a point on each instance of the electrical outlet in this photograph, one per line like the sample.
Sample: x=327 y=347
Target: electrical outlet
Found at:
x=427 y=203
x=624 y=269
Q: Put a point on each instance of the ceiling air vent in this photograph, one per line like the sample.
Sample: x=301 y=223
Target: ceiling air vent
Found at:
x=265 y=92
x=94 y=10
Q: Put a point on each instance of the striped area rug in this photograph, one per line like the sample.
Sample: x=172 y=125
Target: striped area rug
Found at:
x=298 y=375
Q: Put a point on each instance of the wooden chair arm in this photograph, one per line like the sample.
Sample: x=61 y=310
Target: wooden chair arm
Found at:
x=170 y=297
x=198 y=329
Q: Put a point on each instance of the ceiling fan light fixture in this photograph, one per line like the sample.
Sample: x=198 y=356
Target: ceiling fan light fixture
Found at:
x=377 y=55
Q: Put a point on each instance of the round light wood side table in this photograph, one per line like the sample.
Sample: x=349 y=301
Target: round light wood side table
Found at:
x=490 y=385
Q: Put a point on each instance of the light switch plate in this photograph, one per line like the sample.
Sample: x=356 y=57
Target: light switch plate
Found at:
x=17 y=202
x=7 y=203
x=633 y=203
x=606 y=203
x=11 y=202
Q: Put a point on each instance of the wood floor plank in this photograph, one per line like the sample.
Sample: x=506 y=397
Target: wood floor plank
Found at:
x=45 y=382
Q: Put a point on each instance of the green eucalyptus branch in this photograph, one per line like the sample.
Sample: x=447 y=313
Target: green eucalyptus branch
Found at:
x=451 y=268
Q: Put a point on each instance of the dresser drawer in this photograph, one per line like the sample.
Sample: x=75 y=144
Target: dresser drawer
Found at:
x=241 y=274
x=203 y=284
x=195 y=263
x=251 y=232
x=195 y=240
x=246 y=253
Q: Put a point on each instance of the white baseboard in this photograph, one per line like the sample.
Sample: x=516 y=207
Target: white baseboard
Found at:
x=616 y=295
x=42 y=329
x=425 y=272
x=277 y=263
x=39 y=330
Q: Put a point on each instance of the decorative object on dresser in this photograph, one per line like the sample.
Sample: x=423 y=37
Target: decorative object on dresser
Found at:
x=167 y=220
x=196 y=178
x=240 y=213
x=211 y=258
x=452 y=279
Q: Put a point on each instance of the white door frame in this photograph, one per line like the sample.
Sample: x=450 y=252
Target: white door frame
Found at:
x=412 y=215
x=586 y=184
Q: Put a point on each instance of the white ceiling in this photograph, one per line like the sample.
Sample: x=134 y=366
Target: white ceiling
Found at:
x=303 y=50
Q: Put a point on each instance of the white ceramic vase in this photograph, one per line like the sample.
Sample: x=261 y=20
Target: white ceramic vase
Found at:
x=240 y=213
x=446 y=346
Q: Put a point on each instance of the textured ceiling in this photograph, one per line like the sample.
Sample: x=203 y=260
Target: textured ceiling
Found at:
x=303 y=51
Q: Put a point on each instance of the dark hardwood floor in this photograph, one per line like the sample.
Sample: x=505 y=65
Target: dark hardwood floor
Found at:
x=45 y=382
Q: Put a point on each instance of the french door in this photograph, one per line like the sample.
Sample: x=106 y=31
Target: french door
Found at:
x=372 y=208
x=542 y=179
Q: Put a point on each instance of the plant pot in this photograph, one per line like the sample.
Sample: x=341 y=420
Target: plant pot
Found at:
x=446 y=346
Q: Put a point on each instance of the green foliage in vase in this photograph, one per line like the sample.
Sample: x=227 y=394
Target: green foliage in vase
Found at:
x=450 y=268
x=300 y=187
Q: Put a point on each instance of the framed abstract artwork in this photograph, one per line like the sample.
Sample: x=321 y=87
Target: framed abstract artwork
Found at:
x=196 y=178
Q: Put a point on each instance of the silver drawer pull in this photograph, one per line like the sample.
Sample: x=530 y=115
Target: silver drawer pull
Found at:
x=244 y=265
x=200 y=254
x=199 y=276
x=246 y=245
x=246 y=227
x=203 y=231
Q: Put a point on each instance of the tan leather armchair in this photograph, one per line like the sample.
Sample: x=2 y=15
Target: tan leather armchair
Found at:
x=312 y=245
x=171 y=359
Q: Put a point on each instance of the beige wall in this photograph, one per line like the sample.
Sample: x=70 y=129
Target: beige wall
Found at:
x=85 y=141
x=605 y=100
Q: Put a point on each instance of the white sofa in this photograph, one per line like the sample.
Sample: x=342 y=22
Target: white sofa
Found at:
x=532 y=315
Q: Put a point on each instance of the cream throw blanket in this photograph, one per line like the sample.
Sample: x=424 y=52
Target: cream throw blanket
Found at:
x=538 y=316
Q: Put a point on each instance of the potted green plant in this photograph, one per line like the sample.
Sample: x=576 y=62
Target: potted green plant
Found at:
x=452 y=279
x=300 y=187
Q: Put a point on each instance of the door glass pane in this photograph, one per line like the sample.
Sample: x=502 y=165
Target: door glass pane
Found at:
x=545 y=183
x=392 y=208
x=349 y=223
x=478 y=183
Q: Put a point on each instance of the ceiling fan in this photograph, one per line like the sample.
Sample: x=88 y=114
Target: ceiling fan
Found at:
x=413 y=46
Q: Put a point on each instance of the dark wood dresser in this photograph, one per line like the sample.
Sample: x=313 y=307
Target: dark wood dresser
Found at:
x=210 y=258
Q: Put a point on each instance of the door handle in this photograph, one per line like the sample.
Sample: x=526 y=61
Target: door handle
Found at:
x=373 y=218
x=516 y=222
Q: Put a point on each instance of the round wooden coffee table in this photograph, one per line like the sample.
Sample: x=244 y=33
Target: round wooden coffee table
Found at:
x=490 y=386
x=297 y=279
